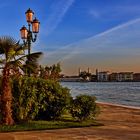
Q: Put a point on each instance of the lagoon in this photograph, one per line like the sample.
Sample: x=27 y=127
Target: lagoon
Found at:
x=122 y=93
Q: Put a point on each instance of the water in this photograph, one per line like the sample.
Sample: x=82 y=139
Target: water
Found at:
x=124 y=93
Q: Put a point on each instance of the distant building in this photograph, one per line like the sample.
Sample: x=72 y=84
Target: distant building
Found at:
x=113 y=77
x=79 y=71
x=93 y=78
x=70 y=79
x=85 y=76
x=88 y=70
x=125 y=76
x=96 y=72
x=136 y=77
x=103 y=76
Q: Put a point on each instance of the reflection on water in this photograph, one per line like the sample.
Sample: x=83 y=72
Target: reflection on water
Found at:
x=127 y=93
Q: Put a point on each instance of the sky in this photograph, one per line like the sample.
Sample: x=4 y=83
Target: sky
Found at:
x=103 y=34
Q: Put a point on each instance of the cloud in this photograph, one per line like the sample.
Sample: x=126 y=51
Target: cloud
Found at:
x=116 y=12
x=78 y=47
x=115 y=48
x=118 y=27
x=58 y=11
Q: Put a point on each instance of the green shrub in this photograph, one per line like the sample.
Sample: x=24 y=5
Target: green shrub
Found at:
x=56 y=100
x=83 y=107
x=38 y=98
x=25 y=101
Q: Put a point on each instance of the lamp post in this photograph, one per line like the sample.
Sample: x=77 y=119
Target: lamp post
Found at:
x=29 y=35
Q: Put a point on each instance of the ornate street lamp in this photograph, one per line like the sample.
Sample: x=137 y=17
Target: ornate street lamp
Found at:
x=29 y=35
x=29 y=15
x=24 y=33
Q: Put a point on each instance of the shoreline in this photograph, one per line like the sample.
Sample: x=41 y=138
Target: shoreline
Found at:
x=118 y=105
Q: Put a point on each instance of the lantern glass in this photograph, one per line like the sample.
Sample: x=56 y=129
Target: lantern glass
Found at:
x=35 y=26
x=29 y=15
x=23 y=32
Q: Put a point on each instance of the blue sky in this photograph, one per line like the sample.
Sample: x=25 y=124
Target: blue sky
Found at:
x=103 y=26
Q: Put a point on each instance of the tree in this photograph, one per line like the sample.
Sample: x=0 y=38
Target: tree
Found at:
x=12 y=56
x=50 y=72
x=55 y=71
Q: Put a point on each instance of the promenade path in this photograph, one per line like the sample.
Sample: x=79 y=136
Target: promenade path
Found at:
x=120 y=123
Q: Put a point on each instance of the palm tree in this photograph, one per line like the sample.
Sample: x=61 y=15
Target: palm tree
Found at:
x=12 y=55
x=31 y=65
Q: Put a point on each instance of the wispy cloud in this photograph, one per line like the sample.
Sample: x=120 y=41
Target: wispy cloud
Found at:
x=118 y=27
x=115 y=12
x=74 y=48
x=58 y=11
x=116 y=47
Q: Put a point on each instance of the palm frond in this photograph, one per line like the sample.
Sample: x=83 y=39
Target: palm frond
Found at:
x=14 y=54
x=2 y=61
x=7 y=46
x=14 y=64
x=20 y=49
x=31 y=63
x=34 y=56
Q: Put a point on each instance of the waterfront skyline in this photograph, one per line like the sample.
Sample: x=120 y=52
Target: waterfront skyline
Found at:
x=101 y=34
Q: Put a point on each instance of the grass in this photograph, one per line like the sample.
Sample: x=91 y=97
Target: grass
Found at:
x=65 y=122
x=46 y=125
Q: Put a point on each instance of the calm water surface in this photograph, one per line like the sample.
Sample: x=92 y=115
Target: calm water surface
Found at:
x=127 y=93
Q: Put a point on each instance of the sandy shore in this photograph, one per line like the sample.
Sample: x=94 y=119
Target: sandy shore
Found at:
x=120 y=123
